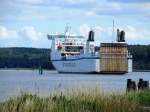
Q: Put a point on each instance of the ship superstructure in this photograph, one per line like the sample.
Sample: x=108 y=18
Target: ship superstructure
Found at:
x=74 y=54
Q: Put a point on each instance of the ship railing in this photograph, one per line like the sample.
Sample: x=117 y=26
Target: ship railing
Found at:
x=53 y=36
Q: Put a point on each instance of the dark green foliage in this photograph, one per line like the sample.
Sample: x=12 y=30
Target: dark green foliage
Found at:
x=141 y=56
x=32 y=57
x=25 y=58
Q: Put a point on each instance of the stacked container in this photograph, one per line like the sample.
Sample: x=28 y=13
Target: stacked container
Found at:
x=113 y=58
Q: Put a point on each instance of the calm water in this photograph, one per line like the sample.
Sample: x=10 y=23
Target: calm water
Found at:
x=13 y=82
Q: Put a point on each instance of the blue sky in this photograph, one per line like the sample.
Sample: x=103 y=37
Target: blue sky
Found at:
x=25 y=23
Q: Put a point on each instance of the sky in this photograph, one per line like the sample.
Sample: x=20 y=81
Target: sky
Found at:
x=26 y=23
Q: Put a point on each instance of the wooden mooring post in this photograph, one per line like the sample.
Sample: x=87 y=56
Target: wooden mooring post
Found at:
x=40 y=70
x=143 y=85
x=131 y=85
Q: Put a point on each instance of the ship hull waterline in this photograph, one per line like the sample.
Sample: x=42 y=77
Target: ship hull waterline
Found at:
x=81 y=66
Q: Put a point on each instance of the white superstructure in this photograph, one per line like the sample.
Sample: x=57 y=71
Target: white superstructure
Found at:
x=74 y=54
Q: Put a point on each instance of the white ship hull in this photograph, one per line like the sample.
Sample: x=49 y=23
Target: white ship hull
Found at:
x=82 y=65
x=86 y=65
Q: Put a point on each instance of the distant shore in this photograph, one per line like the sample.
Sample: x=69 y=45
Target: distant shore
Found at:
x=55 y=70
x=22 y=57
x=25 y=69
x=141 y=70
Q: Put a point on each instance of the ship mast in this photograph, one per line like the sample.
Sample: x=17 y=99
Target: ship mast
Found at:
x=66 y=32
x=113 y=30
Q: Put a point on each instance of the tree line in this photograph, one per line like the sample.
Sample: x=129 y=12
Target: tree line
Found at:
x=34 y=57
x=25 y=58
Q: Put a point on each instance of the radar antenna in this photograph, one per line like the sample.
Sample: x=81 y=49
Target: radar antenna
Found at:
x=67 y=28
x=113 y=31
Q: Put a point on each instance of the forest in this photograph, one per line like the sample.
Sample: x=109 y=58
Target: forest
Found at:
x=25 y=58
x=32 y=58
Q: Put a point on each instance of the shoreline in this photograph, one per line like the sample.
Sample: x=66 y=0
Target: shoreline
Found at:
x=55 y=70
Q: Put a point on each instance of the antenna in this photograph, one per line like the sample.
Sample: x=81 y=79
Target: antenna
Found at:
x=67 y=28
x=113 y=31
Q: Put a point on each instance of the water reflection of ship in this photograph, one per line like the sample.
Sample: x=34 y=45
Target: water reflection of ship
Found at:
x=74 y=54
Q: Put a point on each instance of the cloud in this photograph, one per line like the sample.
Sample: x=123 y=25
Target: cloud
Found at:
x=104 y=34
x=40 y=10
x=31 y=33
x=84 y=29
x=8 y=34
x=90 y=13
x=101 y=34
x=26 y=10
x=132 y=33
x=34 y=38
x=146 y=6
x=32 y=2
x=46 y=13
x=9 y=37
x=27 y=36
x=129 y=1
x=136 y=36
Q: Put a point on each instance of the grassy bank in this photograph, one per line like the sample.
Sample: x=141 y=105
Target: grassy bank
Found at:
x=79 y=102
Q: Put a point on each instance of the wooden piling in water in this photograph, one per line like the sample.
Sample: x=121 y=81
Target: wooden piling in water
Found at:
x=131 y=85
x=40 y=70
x=143 y=85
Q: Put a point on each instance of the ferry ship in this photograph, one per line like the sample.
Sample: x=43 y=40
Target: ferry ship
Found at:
x=75 y=54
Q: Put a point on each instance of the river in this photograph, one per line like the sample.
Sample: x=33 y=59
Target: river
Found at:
x=13 y=82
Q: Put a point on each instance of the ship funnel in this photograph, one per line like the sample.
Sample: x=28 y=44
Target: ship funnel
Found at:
x=120 y=36
x=91 y=36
